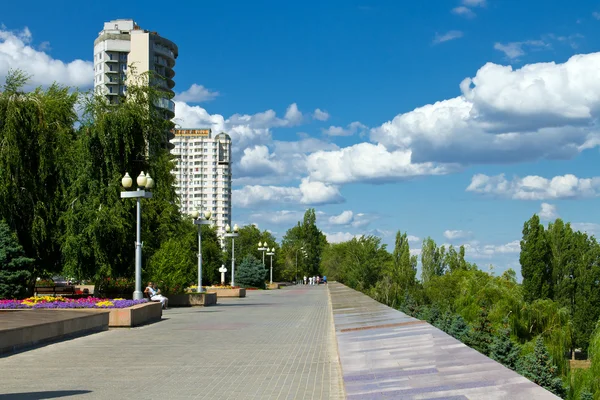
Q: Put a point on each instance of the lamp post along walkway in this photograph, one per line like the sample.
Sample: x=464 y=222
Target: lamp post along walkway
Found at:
x=144 y=182
x=200 y=219
x=232 y=235
x=271 y=253
x=263 y=247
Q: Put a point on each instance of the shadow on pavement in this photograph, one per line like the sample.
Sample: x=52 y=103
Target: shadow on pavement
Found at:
x=51 y=394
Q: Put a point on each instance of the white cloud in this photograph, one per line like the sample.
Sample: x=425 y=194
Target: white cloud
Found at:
x=309 y=192
x=464 y=11
x=543 y=110
x=257 y=161
x=456 y=234
x=361 y=220
x=592 y=229
x=16 y=52
x=451 y=35
x=339 y=237
x=196 y=94
x=245 y=130
x=475 y=250
x=366 y=162
x=350 y=130
x=535 y=187
x=514 y=50
x=280 y=217
x=474 y=3
x=344 y=218
x=548 y=212
x=413 y=239
x=293 y=116
x=596 y=15
x=321 y=115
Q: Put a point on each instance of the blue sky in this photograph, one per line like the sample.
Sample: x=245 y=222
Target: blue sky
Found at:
x=397 y=143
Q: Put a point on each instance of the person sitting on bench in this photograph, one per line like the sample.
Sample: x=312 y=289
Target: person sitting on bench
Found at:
x=154 y=295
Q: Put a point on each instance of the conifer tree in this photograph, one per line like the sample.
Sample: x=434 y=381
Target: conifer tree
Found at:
x=251 y=273
x=503 y=349
x=539 y=368
x=480 y=337
x=14 y=266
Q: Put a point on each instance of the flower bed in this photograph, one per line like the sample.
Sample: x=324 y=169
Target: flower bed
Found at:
x=63 y=302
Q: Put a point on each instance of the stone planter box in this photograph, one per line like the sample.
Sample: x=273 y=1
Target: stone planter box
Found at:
x=128 y=317
x=239 y=292
x=25 y=328
x=274 y=285
x=192 y=299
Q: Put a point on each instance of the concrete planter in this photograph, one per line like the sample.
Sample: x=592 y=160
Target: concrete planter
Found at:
x=274 y=285
x=239 y=292
x=127 y=317
x=192 y=299
x=26 y=328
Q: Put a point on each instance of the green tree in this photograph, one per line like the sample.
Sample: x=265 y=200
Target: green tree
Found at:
x=251 y=273
x=314 y=242
x=432 y=260
x=503 y=349
x=98 y=226
x=481 y=335
x=37 y=136
x=539 y=368
x=14 y=266
x=173 y=265
x=535 y=261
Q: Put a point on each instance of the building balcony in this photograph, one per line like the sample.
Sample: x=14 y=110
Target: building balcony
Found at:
x=165 y=104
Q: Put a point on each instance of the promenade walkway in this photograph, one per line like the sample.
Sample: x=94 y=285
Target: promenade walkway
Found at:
x=386 y=354
x=277 y=344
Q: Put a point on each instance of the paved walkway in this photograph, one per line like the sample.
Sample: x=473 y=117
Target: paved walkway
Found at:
x=386 y=354
x=277 y=344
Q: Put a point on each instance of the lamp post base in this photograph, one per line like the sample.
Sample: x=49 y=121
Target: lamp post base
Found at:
x=138 y=295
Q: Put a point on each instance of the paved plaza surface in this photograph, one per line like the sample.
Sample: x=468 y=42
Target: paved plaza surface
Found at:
x=277 y=344
x=385 y=354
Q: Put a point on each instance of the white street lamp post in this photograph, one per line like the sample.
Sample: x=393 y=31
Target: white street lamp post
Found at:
x=200 y=219
x=263 y=247
x=143 y=182
x=271 y=253
x=301 y=248
x=232 y=235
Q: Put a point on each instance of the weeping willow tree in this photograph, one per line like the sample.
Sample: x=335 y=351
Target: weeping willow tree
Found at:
x=99 y=226
x=36 y=138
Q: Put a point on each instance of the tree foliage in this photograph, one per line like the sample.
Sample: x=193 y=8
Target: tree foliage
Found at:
x=37 y=138
x=14 y=266
x=251 y=273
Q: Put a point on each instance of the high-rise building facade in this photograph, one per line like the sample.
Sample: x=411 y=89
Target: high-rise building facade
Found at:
x=122 y=44
x=203 y=173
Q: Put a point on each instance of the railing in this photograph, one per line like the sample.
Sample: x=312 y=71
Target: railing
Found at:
x=166 y=104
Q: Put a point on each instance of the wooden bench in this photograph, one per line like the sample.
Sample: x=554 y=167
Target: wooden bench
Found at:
x=55 y=290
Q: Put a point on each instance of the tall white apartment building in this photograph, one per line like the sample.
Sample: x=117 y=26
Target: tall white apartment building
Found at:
x=122 y=43
x=203 y=173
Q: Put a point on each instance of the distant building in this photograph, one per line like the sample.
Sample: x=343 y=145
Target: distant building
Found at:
x=123 y=43
x=203 y=173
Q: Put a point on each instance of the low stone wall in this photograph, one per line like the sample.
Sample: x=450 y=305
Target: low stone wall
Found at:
x=26 y=328
x=192 y=299
x=239 y=292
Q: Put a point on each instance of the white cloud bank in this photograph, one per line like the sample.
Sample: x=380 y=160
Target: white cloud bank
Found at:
x=17 y=52
x=504 y=115
x=535 y=187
